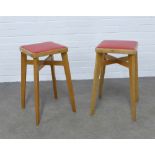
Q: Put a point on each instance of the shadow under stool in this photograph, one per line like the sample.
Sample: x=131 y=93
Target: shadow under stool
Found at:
x=38 y=50
x=103 y=58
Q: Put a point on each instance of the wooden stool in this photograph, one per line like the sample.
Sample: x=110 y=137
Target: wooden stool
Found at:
x=103 y=58
x=44 y=49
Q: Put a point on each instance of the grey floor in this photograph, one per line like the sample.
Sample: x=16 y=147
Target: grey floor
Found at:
x=112 y=119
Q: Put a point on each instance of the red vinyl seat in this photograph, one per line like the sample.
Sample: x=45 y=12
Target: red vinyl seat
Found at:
x=118 y=44
x=42 y=47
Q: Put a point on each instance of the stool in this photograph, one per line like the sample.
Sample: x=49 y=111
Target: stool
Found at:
x=103 y=58
x=38 y=50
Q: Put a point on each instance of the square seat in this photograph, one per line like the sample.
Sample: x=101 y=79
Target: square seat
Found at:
x=44 y=48
x=118 y=46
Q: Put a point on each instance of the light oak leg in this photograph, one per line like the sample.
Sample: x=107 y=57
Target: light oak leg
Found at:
x=101 y=83
x=69 y=81
x=54 y=80
x=23 y=79
x=36 y=90
x=137 y=79
x=132 y=71
x=95 y=83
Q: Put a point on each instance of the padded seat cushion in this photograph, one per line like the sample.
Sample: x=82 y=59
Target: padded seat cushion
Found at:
x=42 y=47
x=118 y=44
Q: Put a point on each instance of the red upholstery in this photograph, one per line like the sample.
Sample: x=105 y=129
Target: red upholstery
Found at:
x=118 y=44
x=42 y=47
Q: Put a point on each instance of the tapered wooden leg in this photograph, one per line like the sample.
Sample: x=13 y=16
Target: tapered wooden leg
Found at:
x=54 y=80
x=95 y=83
x=69 y=81
x=102 y=73
x=137 y=80
x=23 y=79
x=132 y=71
x=36 y=90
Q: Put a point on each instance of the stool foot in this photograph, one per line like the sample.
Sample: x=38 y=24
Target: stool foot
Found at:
x=92 y=112
x=23 y=109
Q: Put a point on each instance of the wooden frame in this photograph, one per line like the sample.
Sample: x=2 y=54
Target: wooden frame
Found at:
x=38 y=65
x=121 y=51
x=45 y=53
x=102 y=59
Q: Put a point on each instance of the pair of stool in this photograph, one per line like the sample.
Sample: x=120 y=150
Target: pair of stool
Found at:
x=102 y=59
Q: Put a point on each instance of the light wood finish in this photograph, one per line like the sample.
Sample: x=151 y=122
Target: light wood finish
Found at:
x=36 y=90
x=132 y=72
x=102 y=73
x=137 y=79
x=38 y=65
x=69 y=81
x=54 y=79
x=130 y=61
x=23 y=79
x=95 y=82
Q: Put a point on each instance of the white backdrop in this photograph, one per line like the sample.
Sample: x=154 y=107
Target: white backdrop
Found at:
x=81 y=35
